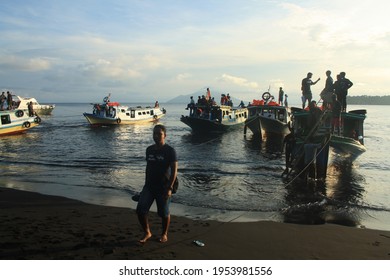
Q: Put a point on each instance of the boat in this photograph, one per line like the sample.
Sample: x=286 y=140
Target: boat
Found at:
x=268 y=117
x=112 y=113
x=349 y=142
x=215 y=118
x=17 y=121
x=324 y=143
x=21 y=103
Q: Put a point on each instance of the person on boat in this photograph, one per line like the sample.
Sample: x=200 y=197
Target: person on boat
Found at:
x=315 y=115
x=9 y=100
x=191 y=105
x=223 y=99
x=156 y=105
x=327 y=92
x=208 y=94
x=306 y=89
x=107 y=98
x=285 y=100
x=242 y=105
x=3 y=100
x=281 y=95
x=336 y=115
x=30 y=108
x=161 y=161
x=345 y=84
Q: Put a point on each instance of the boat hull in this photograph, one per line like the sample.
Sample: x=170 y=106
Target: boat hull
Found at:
x=14 y=122
x=270 y=119
x=97 y=120
x=347 y=146
x=209 y=126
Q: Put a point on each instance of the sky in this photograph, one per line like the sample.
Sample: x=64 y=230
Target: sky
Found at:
x=144 y=50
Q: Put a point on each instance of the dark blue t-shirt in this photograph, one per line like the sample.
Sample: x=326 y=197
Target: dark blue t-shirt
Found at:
x=158 y=165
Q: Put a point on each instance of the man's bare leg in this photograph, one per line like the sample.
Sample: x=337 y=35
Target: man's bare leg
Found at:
x=143 y=220
x=165 y=226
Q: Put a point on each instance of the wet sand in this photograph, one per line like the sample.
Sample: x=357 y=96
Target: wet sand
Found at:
x=36 y=226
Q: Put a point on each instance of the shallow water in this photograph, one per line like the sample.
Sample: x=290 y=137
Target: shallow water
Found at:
x=226 y=177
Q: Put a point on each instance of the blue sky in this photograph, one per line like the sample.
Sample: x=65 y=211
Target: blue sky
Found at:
x=65 y=51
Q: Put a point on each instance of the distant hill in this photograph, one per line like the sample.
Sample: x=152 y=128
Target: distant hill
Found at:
x=369 y=100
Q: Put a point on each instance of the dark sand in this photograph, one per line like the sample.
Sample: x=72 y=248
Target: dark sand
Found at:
x=35 y=226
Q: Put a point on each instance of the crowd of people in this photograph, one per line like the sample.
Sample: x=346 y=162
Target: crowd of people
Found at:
x=339 y=88
x=334 y=96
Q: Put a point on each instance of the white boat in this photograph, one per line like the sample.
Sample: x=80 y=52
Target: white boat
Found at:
x=40 y=109
x=16 y=121
x=112 y=113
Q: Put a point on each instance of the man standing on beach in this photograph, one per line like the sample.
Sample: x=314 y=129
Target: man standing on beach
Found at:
x=161 y=172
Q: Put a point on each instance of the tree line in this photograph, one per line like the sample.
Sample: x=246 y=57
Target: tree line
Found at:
x=369 y=100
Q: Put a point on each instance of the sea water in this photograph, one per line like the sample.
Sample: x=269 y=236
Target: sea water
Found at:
x=227 y=177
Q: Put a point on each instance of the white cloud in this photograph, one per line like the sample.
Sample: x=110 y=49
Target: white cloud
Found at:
x=33 y=64
x=242 y=82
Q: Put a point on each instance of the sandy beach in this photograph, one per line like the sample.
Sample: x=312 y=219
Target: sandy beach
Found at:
x=36 y=226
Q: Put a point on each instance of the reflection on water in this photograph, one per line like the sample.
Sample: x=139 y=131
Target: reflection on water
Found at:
x=338 y=200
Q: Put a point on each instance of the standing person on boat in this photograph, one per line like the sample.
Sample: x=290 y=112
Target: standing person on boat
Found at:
x=281 y=95
x=156 y=105
x=208 y=94
x=345 y=84
x=285 y=100
x=327 y=92
x=9 y=100
x=336 y=115
x=306 y=89
x=107 y=98
x=161 y=161
x=30 y=109
x=191 y=105
x=3 y=99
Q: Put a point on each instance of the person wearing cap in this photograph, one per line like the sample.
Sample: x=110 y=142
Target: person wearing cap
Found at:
x=306 y=89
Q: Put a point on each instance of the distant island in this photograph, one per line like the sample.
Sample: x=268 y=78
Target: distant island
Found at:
x=369 y=100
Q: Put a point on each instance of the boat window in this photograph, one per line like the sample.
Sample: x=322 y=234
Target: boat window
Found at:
x=143 y=113
x=139 y=113
x=5 y=119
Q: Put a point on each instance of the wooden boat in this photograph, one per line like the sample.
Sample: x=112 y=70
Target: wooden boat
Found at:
x=349 y=143
x=112 y=113
x=17 y=121
x=268 y=117
x=215 y=118
x=41 y=109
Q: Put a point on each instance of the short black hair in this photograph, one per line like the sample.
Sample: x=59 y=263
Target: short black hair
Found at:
x=160 y=126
